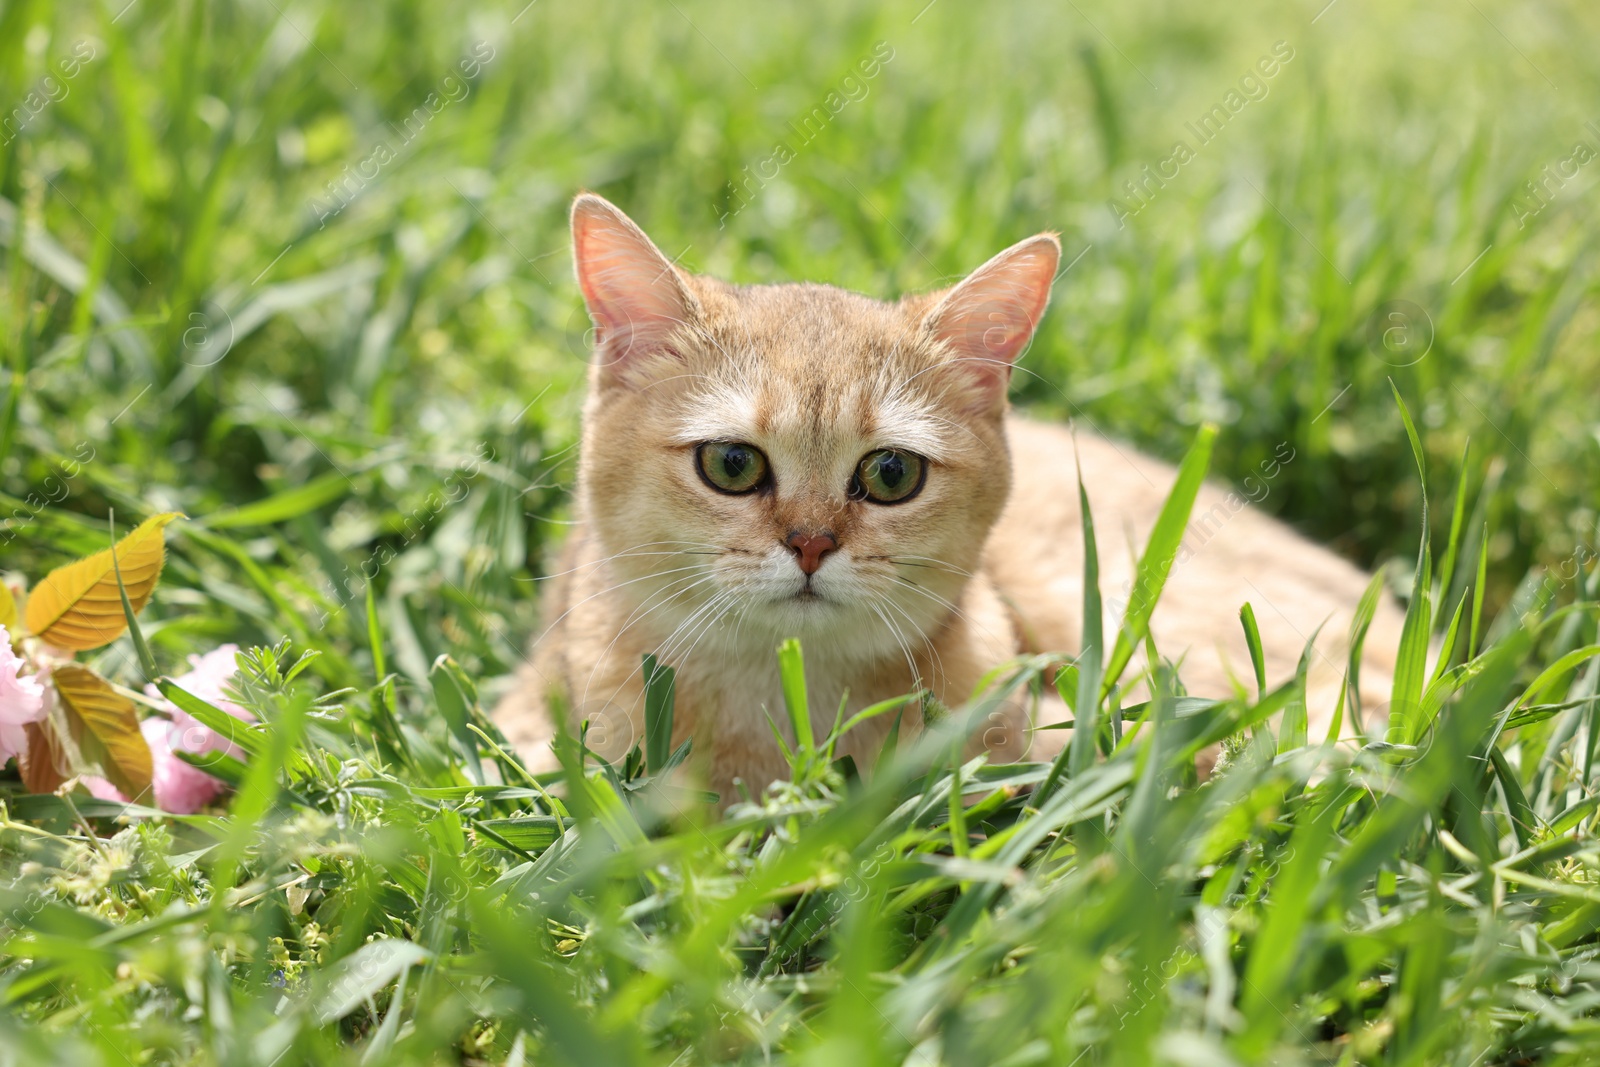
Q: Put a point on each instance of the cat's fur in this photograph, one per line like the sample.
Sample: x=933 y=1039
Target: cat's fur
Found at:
x=985 y=562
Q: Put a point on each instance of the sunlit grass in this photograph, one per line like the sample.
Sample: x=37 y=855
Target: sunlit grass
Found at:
x=245 y=279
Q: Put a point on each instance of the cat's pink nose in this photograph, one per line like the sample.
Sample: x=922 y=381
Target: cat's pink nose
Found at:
x=810 y=548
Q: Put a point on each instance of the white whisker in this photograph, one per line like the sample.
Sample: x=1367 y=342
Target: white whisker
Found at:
x=660 y=598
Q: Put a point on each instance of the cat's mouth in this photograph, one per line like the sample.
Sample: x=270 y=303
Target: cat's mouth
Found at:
x=808 y=593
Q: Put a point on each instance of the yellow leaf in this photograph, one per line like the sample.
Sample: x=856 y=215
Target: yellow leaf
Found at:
x=105 y=725
x=78 y=607
x=8 y=610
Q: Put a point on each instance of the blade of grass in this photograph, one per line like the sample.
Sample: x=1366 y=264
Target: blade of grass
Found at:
x=454 y=696
x=1360 y=624
x=1523 y=821
x=1411 y=661
x=147 y=662
x=1295 y=730
x=1447 y=646
x=1477 y=593
x=1447 y=566
x=792 y=675
x=659 y=685
x=1159 y=554
x=1078 y=754
x=1252 y=639
x=380 y=668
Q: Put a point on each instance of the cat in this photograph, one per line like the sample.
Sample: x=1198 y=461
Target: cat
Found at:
x=772 y=461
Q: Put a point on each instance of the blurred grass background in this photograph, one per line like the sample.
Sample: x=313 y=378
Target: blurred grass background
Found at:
x=345 y=366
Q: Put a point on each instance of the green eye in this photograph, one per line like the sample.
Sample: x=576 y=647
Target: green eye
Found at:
x=731 y=466
x=889 y=476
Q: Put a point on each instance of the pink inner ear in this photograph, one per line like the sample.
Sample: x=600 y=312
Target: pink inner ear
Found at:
x=989 y=317
x=631 y=289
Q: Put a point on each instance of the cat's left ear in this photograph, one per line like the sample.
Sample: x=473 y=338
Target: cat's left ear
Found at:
x=987 y=320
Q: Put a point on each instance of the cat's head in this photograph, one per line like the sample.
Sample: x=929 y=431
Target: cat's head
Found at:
x=794 y=460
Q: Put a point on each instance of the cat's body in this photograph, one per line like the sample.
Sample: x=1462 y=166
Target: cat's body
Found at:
x=776 y=461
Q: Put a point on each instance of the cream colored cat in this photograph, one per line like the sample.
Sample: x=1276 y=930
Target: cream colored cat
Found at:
x=765 y=462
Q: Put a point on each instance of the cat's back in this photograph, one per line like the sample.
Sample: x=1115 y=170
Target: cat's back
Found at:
x=1231 y=553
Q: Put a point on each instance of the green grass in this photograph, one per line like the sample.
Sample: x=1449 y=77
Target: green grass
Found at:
x=365 y=401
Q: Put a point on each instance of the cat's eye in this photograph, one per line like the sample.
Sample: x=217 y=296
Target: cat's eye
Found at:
x=731 y=466
x=889 y=476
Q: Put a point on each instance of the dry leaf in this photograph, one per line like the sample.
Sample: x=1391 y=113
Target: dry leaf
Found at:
x=44 y=766
x=105 y=725
x=78 y=607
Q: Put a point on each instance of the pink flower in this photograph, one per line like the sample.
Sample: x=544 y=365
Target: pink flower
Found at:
x=21 y=700
x=208 y=680
x=179 y=787
x=99 y=787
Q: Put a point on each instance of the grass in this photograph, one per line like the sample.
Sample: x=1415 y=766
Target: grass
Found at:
x=359 y=378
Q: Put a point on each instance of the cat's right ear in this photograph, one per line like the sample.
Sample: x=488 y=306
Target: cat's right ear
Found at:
x=633 y=292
